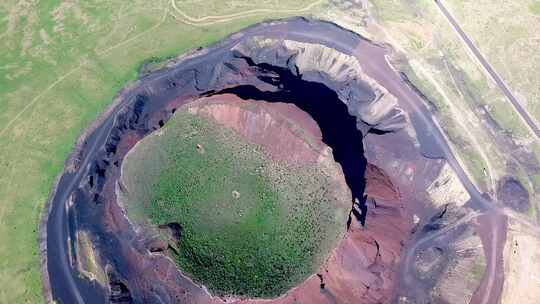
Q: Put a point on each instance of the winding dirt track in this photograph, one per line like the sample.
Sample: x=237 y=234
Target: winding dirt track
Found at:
x=208 y=20
x=65 y=284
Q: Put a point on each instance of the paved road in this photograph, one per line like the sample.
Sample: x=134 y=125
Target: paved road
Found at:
x=489 y=69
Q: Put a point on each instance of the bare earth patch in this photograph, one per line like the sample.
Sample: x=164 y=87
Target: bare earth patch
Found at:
x=521 y=266
x=280 y=128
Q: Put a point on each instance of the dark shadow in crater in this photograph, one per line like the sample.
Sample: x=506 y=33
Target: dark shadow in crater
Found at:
x=338 y=127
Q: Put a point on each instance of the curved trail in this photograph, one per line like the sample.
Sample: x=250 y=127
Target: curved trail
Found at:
x=228 y=17
x=409 y=257
x=377 y=67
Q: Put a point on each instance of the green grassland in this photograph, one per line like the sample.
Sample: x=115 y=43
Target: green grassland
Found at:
x=507 y=34
x=250 y=226
x=61 y=64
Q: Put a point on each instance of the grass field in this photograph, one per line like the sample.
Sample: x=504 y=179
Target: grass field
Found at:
x=507 y=34
x=61 y=64
x=250 y=226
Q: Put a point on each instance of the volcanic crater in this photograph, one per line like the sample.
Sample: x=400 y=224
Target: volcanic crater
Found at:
x=284 y=97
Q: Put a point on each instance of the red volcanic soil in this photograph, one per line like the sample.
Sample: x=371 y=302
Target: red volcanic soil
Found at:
x=379 y=185
x=286 y=132
x=492 y=227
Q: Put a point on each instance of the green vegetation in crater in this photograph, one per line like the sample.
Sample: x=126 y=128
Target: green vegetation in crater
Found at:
x=250 y=226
